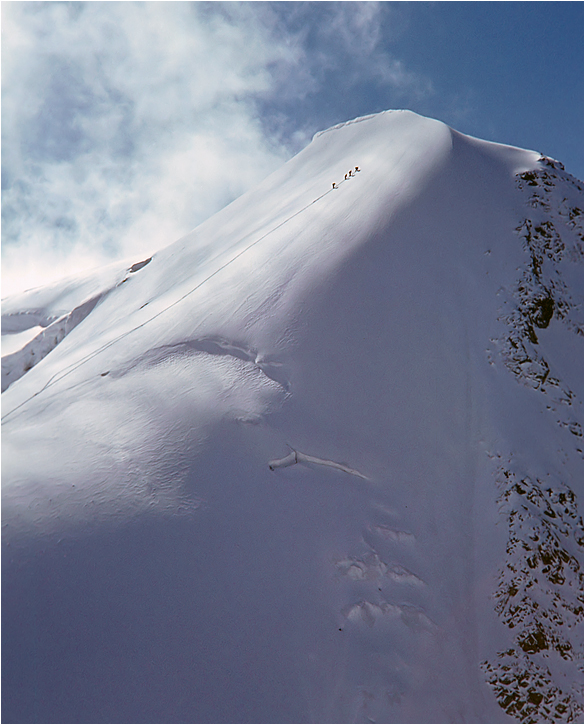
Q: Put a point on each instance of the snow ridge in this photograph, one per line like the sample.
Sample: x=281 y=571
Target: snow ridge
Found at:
x=57 y=324
x=347 y=123
x=16 y=365
x=16 y=322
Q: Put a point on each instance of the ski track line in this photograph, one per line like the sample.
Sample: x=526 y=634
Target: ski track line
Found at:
x=74 y=366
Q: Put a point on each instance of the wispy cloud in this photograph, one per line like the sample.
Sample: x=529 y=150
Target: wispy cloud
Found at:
x=126 y=124
x=343 y=67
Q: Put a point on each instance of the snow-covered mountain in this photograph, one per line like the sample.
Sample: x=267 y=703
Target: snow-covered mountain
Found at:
x=318 y=461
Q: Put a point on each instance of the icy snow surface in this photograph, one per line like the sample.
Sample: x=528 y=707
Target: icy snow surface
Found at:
x=317 y=461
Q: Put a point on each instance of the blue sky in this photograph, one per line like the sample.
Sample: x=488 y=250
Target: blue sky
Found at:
x=124 y=125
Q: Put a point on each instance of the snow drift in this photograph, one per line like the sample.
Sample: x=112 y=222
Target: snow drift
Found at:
x=317 y=461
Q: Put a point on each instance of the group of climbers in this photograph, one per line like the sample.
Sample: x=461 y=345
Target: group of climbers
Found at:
x=351 y=172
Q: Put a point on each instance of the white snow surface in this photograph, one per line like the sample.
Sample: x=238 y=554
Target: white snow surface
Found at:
x=255 y=479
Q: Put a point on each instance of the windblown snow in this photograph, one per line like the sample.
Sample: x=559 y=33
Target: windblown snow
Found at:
x=317 y=461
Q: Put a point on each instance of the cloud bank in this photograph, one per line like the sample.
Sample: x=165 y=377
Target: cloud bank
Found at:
x=127 y=124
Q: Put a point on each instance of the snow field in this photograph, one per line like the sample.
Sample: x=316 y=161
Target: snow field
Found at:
x=276 y=445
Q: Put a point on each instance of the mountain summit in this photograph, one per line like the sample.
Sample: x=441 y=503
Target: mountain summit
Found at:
x=317 y=461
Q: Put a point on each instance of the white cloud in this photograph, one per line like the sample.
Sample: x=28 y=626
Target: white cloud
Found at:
x=125 y=124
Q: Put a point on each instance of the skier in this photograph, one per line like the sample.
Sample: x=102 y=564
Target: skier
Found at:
x=356 y=168
x=333 y=185
x=346 y=176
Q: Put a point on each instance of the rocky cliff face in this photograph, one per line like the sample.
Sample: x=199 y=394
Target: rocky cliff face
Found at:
x=540 y=588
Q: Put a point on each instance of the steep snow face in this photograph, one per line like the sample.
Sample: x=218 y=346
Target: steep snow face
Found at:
x=319 y=460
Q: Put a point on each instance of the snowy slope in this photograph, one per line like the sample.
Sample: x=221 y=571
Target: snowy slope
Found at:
x=319 y=460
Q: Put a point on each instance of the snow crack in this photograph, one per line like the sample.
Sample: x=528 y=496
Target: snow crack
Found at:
x=402 y=537
x=298 y=457
x=139 y=265
x=215 y=345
